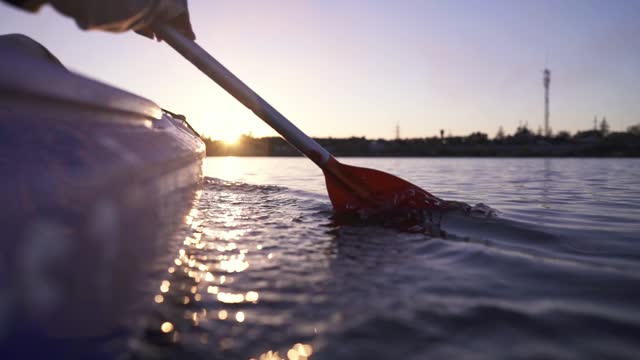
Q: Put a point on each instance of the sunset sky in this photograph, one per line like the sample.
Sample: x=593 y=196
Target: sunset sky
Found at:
x=356 y=68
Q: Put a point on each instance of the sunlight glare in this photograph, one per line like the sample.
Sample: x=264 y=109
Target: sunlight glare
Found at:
x=231 y=139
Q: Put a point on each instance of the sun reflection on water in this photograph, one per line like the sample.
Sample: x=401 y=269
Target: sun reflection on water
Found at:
x=223 y=314
x=166 y=327
x=297 y=352
x=199 y=268
x=234 y=263
x=230 y=298
x=240 y=316
x=207 y=273
x=251 y=296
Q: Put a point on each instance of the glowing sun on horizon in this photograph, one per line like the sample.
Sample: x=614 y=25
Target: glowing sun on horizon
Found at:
x=231 y=139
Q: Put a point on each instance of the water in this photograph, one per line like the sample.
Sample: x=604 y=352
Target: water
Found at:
x=264 y=272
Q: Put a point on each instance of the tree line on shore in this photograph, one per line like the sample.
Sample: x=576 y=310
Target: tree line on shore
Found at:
x=596 y=142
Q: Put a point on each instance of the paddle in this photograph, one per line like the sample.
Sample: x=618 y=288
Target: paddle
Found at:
x=351 y=189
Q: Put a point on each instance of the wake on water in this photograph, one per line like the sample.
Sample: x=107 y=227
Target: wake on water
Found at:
x=478 y=224
x=457 y=220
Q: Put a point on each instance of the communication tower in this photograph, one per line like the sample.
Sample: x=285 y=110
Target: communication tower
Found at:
x=547 y=82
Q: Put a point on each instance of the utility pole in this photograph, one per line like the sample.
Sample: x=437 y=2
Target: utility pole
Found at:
x=397 y=131
x=547 y=82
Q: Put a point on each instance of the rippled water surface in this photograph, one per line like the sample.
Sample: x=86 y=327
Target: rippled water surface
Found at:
x=264 y=272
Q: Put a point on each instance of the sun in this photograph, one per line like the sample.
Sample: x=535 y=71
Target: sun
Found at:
x=230 y=139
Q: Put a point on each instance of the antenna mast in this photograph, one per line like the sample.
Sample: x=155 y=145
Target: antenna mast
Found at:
x=547 y=82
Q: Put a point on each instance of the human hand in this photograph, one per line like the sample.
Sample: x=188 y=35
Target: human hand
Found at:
x=173 y=12
x=123 y=15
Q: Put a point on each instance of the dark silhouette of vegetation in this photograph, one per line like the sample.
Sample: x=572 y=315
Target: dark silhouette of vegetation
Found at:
x=634 y=130
x=597 y=142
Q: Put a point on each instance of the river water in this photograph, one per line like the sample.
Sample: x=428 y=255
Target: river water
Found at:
x=263 y=270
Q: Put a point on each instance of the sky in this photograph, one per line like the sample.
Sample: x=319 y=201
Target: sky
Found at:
x=340 y=68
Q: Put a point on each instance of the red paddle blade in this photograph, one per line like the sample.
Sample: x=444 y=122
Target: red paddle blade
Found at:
x=354 y=189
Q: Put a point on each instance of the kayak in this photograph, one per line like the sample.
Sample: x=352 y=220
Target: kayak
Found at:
x=96 y=182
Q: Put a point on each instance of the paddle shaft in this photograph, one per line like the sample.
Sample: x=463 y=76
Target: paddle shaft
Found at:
x=234 y=86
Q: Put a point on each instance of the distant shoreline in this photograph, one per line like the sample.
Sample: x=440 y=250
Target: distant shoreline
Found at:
x=587 y=144
x=450 y=156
